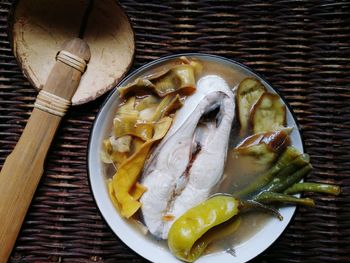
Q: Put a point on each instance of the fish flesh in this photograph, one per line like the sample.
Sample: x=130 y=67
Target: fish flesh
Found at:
x=187 y=165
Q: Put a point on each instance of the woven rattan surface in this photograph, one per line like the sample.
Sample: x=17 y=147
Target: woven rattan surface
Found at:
x=302 y=48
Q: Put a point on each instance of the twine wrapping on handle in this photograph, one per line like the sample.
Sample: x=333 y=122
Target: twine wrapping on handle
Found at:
x=71 y=60
x=51 y=103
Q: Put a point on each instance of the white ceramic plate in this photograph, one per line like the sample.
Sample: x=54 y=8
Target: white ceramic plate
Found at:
x=131 y=236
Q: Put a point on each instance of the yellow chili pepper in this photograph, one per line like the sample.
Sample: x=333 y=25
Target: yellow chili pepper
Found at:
x=184 y=239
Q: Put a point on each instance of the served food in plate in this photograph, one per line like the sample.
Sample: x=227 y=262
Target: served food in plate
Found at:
x=191 y=153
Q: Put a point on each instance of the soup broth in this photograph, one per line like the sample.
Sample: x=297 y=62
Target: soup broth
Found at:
x=239 y=171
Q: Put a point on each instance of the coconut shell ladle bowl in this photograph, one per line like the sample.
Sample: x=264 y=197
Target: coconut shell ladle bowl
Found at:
x=76 y=72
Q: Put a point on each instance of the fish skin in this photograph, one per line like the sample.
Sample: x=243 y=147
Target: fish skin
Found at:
x=172 y=187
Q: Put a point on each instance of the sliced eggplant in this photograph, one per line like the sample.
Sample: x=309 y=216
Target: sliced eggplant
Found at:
x=261 y=150
x=248 y=93
x=260 y=154
x=268 y=114
x=276 y=141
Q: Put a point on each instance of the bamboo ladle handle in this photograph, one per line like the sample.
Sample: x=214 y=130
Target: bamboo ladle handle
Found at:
x=23 y=168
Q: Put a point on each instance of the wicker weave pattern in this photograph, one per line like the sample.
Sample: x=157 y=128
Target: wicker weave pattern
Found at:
x=302 y=48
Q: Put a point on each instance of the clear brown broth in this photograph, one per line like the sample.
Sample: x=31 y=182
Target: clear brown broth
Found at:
x=238 y=171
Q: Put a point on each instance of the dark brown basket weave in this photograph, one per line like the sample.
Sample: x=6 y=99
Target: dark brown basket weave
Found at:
x=302 y=48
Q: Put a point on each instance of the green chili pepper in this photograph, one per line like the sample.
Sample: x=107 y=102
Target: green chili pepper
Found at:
x=271 y=197
x=286 y=158
x=313 y=187
x=194 y=223
x=288 y=181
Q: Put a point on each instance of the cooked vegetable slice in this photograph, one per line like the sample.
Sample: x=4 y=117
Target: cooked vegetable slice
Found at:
x=276 y=141
x=110 y=156
x=268 y=114
x=107 y=146
x=162 y=106
x=112 y=195
x=180 y=79
x=118 y=158
x=105 y=158
x=264 y=147
x=175 y=104
x=146 y=115
x=137 y=191
x=127 y=122
x=248 y=93
x=136 y=145
x=140 y=85
x=149 y=101
x=106 y=151
x=128 y=107
x=313 y=187
x=131 y=125
x=196 y=64
x=147 y=107
x=127 y=175
x=261 y=154
x=169 y=104
x=121 y=144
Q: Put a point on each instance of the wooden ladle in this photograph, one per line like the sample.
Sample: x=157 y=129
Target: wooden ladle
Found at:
x=39 y=27
x=23 y=168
